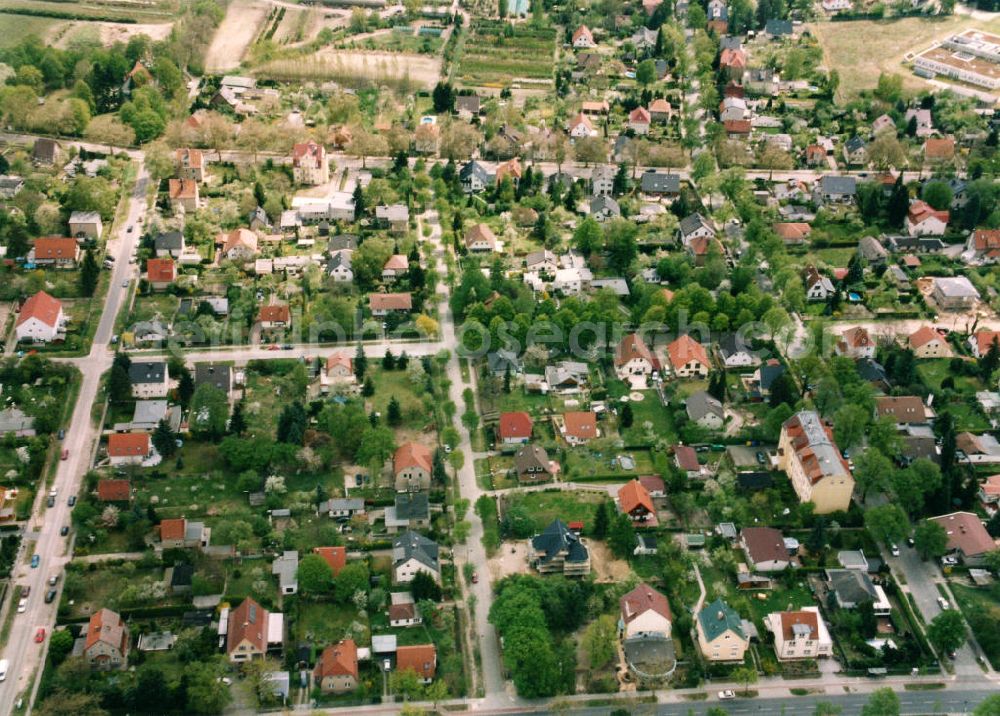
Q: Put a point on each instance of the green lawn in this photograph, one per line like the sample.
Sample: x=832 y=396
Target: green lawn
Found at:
x=326 y=623
x=583 y=462
x=649 y=410
x=975 y=601
x=396 y=384
x=544 y=507
x=932 y=372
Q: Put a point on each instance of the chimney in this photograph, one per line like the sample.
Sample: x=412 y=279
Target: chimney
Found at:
x=720 y=616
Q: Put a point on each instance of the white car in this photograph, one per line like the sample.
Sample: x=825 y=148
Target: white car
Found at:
x=22 y=606
x=726 y=695
x=943 y=603
x=894 y=550
x=949 y=561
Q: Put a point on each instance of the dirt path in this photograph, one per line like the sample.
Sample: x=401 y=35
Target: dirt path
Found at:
x=238 y=29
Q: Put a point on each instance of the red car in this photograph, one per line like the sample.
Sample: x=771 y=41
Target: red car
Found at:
x=65 y=455
x=40 y=635
x=475 y=577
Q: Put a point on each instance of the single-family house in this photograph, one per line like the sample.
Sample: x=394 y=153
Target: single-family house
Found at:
x=764 y=548
x=55 y=251
x=107 y=641
x=409 y=511
x=923 y=220
x=169 y=244
x=645 y=611
x=688 y=357
x=412 y=467
x=382 y=304
x=85 y=224
x=514 y=428
x=639 y=120
x=721 y=636
x=925 y=342
x=336 y=670
x=395 y=217
x=633 y=360
x=183 y=194
x=40 y=320
x=955 y=293
x=421 y=659
x=251 y=631
x=412 y=553
x=835 y=189
x=309 y=164
x=532 y=465
x=657 y=183
x=583 y=38
x=559 y=550
x=968 y=538
x=286 y=568
x=150 y=379
x=335 y=557
x=635 y=501
x=160 y=273
x=818 y=287
x=800 y=634
x=579 y=427
x=855 y=343
x=905 y=410
x=189 y=164
x=705 y=410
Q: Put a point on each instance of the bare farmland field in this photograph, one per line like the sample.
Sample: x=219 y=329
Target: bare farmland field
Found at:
x=353 y=68
x=108 y=33
x=862 y=49
x=237 y=31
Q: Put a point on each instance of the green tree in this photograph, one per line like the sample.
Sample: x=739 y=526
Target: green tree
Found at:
x=352 y=578
x=206 y=694
x=888 y=523
x=119 y=385
x=989 y=707
x=315 y=575
x=601 y=519
x=60 y=645
x=947 y=630
x=882 y=702
x=930 y=539
x=292 y=424
x=645 y=72
x=237 y=423
x=209 y=412
x=745 y=675
x=599 y=641
x=825 y=708
x=938 y=194
x=621 y=536
x=89 y=273
x=424 y=587
x=163 y=439
x=588 y=236
x=394 y=414
x=406 y=683
x=849 y=425
x=626 y=416
x=360 y=363
x=872 y=471
x=377 y=444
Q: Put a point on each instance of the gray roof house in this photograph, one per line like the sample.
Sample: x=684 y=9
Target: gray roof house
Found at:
x=14 y=420
x=604 y=207
x=286 y=567
x=695 y=225
x=872 y=250
x=500 y=361
x=411 y=509
x=169 y=243
x=475 y=177
x=662 y=183
x=148 y=414
x=835 y=189
x=412 y=552
x=559 y=550
x=705 y=410
x=342 y=507
x=218 y=375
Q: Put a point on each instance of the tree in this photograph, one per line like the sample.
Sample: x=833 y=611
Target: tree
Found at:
x=990 y=361
x=886 y=151
x=352 y=578
x=406 y=683
x=621 y=536
x=882 y=702
x=938 y=194
x=164 y=439
x=825 y=708
x=601 y=519
x=423 y=587
x=292 y=424
x=443 y=98
x=849 y=425
x=315 y=575
x=746 y=675
x=209 y=411
x=591 y=150
x=947 y=631
x=206 y=694
x=888 y=523
x=61 y=702
x=237 y=423
x=360 y=363
x=626 y=416
x=599 y=641
x=889 y=88
x=645 y=73
x=89 y=273
x=388 y=360
x=394 y=414
x=119 y=384
x=930 y=539
x=365 y=144
x=185 y=385
x=872 y=470
x=588 y=237
x=783 y=391
x=989 y=707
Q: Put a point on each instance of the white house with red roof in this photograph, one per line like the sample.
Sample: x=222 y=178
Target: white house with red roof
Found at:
x=855 y=343
x=980 y=342
x=799 y=635
x=40 y=319
x=583 y=38
x=967 y=536
x=688 y=357
x=983 y=246
x=514 y=428
x=639 y=120
x=923 y=220
x=581 y=126
x=634 y=362
x=645 y=612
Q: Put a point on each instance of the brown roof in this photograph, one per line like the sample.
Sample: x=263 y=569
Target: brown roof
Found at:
x=686 y=457
x=275 y=313
x=790 y=619
x=738 y=126
x=630 y=347
x=984 y=339
x=478 y=233
x=113 y=490
x=108 y=627
x=190 y=157
x=339 y=659
x=764 y=544
x=390 y=301
x=966 y=533
x=986 y=239
x=921 y=211
x=336 y=557
x=640 y=115
x=922 y=336
x=733 y=58
x=128 y=444
x=421 y=658
x=904 y=408
x=686 y=349
x=640 y=600
x=238 y=238
x=939 y=148
x=396 y=262
x=660 y=106
x=55 y=247
x=582 y=425
x=597 y=107
x=515 y=425
x=412 y=455
x=310 y=149
x=247 y=622
x=652 y=483
x=172 y=529
x=857 y=337
x=583 y=31
x=398 y=612
x=632 y=495
x=340 y=358
x=41 y=306
x=183 y=188
x=792 y=231
x=511 y=168
x=160 y=270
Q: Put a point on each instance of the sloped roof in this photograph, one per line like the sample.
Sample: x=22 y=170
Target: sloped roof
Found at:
x=412 y=454
x=107 y=627
x=336 y=557
x=411 y=545
x=686 y=349
x=160 y=270
x=633 y=495
x=581 y=424
x=764 y=544
x=641 y=600
x=515 y=425
x=128 y=445
x=632 y=347
x=113 y=490
x=717 y=618
x=52 y=248
x=42 y=307
x=173 y=529
x=966 y=533
x=340 y=659
x=557 y=539
x=922 y=336
x=247 y=621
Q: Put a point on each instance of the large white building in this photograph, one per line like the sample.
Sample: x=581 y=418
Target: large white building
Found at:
x=799 y=635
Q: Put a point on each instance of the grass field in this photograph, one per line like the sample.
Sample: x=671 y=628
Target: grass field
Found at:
x=860 y=50
x=109 y=10
x=566 y=506
x=14 y=28
x=489 y=58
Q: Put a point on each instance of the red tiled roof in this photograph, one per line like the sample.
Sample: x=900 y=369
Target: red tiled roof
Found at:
x=52 y=248
x=733 y=58
x=986 y=239
x=686 y=458
x=686 y=349
x=190 y=157
x=857 y=337
x=921 y=211
x=183 y=188
x=984 y=339
x=764 y=544
x=515 y=425
x=160 y=270
x=310 y=149
x=792 y=231
x=939 y=148
x=412 y=455
x=633 y=495
x=583 y=31
x=652 y=483
x=790 y=619
x=642 y=599
x=275 y=313
x=581 y=425
x=398 y=612
x=247 y=622
x=396 y=262
x=631 y=347
x=339 y=659
x=113 y=490
x=336 y=557
x=421 y=658
x=903 y=408
x=41 y=306
x=738 y=126
x=128 y=444
x=108 y=627
x=172 y=529
x=639 y=115
x=390 y=301
x=922 y=336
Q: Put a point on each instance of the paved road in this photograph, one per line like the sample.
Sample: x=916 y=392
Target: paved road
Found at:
x=24 y=655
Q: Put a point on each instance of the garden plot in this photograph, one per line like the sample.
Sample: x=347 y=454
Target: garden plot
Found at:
x=355 y=68
x=235 y=34
x=492 y=59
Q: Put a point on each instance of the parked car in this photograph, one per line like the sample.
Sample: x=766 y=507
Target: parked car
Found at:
x=64 y=531
x=943 y=603
x=72 y=500
x=65 y=455
x=53 y=579
x=22 y=606
x=726 y=695
x=949 y=561
x=62 y=434
x=894 y=550
x=50 y=596
x=40 y=635
x=51 y=502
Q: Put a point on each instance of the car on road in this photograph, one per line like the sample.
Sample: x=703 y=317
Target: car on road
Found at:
x=25 y=590
x=287 y=347
x=129 y=229
x=4 y=665
x=50 y=596
x=52 y=501
x=943 y=603
x=910 y=542
x=65 y=455
x=53 y=579
x=125 y=283
x=475 y=577
x=35 y=559
x=894 y=550
x=726 y=695
x=64 y=531
x=761 y=457
x=71 y=501
x=22 y=606
x=40 y=635
x=61 y=434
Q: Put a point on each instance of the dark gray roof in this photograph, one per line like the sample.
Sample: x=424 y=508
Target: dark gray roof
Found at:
x=216 y=374
x=654 y=182
x=731 y=344
x=475 y=169
x=838 y=185
x=604 y=203
x=918 y=446
x=169 y=241
x=872 y=371
x=412 y=506
x=691 y=223
x=183 y=574
x=768 y=373
x=468 y=102
x=342 y=241
x=557 y=540
x=854 y=144
x=500 y=360
x=757 y=480
x=729 y=42
x=260 y=215
x=410 y=544
x=852 y=586
x=701 y=404
x=141 y=372
x=778 y=28
x=914 y=243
